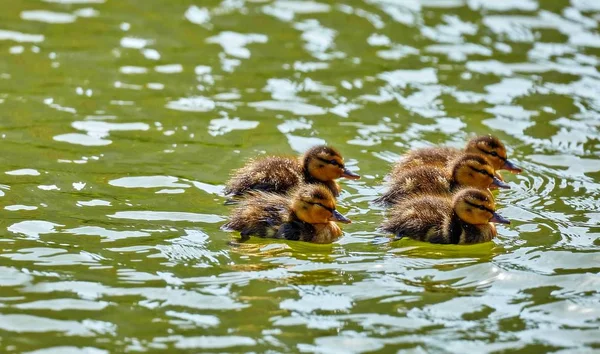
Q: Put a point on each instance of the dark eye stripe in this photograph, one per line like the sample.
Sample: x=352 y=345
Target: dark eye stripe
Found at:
x=479 y=207
x=482 y=171
x=323 y=206
x=331 y=162
x=493 y=153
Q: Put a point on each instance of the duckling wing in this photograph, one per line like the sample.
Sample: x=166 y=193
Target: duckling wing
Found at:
x=260 y=215
x=419 y=218
x=271 y=174
x=417 y=182
x=432 y=156
x=296 y=231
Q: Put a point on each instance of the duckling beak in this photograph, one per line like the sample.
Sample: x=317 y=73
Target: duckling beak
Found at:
x=498 y=183
x=511 y=167
x=339 y=218
x=497 y=218
x=349 y=174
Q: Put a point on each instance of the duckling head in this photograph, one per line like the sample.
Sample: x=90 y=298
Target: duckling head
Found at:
x=494 y=150
x=325 y=163
x=473 y=170
x=476 y=207
x=314 y=204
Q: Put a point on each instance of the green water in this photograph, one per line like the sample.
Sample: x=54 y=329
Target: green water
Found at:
x=121 y=120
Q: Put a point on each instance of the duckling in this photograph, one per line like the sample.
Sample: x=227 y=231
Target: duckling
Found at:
x=486 y=145
x=468 y=170
x=306 y=214
x=277 y=174
x=465 y=219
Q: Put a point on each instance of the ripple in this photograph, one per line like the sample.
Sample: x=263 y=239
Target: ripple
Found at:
x=147 y=182
x=82 y=139
x=107 y=235
x=76 y=1
x=287 y=10
x=48 y=16
x=211 y=342
x=198 y=16
x=23 y=172
x=64 y=304
x=165 y=296
x=234 y=44
x=19 y=207
x=20 y=37
x=166 y=215
x=67 y=349
x=135 y=43
x=402 y=78
x=297 y=108
x=52 y=256
x=35 y=324
x=169 y=68
x=192 y=104
x=93 y=202
x=226 y=125
x=33 y=228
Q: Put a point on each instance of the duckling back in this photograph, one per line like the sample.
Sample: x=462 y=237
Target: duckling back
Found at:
x=261 y=214
x=430 y=156
x=463 y=219
x=425 y=180
x=421 y=218
x=273 y=174
x=307 y=213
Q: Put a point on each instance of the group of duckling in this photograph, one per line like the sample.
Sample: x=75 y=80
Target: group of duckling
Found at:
x=435 y=194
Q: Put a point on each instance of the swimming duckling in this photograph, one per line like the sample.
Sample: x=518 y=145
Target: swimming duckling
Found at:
x=466 y=218
x=306 y=214
x=468 y=170
x=486 y=145
x=276 y=174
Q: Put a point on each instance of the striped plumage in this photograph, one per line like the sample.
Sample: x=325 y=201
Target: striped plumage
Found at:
x=468 y=170
x=487 y=146
x=279 y=174
x=306 y=214
x=464 y=219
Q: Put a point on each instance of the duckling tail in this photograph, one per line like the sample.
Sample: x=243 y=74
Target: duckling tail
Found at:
x=227 y=227
x=398 y=237
x=384 y=200
x=231 y=201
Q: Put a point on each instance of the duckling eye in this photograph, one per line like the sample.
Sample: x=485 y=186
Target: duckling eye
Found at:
x=322 y=206
x=485 y=173
x=493 y=153
x=480 y=207
x=335 y=163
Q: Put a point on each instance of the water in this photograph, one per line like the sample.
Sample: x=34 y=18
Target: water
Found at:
x=122 y=119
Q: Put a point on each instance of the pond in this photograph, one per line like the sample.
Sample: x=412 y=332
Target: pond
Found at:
x=122 y=120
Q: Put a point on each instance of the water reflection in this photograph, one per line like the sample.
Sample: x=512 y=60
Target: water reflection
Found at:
x=117 y=147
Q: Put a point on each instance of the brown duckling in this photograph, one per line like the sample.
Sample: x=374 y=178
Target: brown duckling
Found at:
x=467 y=218
x=277 y=174
x=306 y=214
x=468 y=170
x=486 y=145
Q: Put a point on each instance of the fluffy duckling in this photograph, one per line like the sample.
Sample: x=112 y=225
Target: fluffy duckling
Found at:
x=486 y=145
x=306 y=214
x=276 y=174
x=468 y=170
x=467 y=218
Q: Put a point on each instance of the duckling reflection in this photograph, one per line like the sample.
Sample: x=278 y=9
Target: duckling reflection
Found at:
x=469 y=170
x=277 y=174
x=307 y=214
x=465 y=219
x=487 y=146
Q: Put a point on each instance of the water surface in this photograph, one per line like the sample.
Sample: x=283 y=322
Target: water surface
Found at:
x=121 y=121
